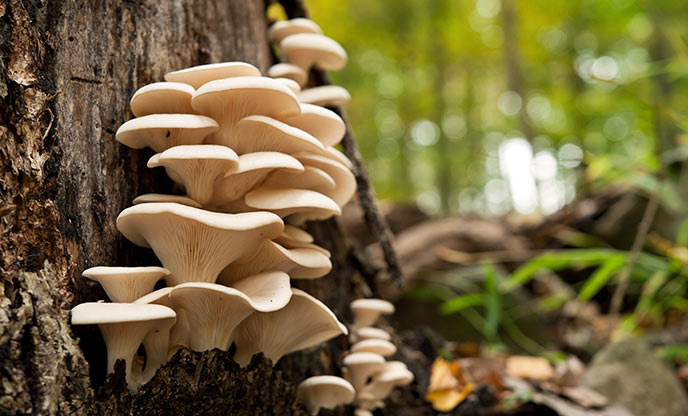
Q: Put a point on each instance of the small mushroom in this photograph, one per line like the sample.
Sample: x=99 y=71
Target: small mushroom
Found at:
x=336 y=155
x=193 y=244
x=196 y=76
x=162 y=98
x=253 y=169
x=305 y=322
x=232 y=99
x=283 y=28
x=291 y=84
x=179 y=199
x=307 y=50
x=271 y=287
x=270 y=135
x=196 y=167
x=180 y=330
x=285 y=202
x=297 y=234
x=324 y=392
x=320 y=122
x=288 y=242
x=390 y=376
x=311 y=178
x=125 y=284
x=290 y=71
x=360 y=366
x=378 y=346
x=345 y=180
x=326 y=96
x=361 y=334
x=367 y=311
x=300 y=263
x=162 y=131
x=124 y=326
x=214 y=311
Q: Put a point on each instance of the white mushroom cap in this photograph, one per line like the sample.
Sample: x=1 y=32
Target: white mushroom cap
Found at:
x=361 y=334
x=291 y=84
x=197 y=167
x=326 y=95
x=213 y=312
x=124 y=326
x=284 y=202
x=162 y=98
x=299 y=263
x=196 y=76
x=253 y=169
x=305 y=322
x=378 y=346
x=338 y=156
x=162 y=131
x=367 y=311
x=311 y=178
x=271 y=287
x=283 y=28
x=288 y=242
x=306 y=50
x=179 y=199
x=345 y=180
x=384 y=381
x=290 y=71
x=298 y=234
x=265 y=134
x=361 y=365
x=231 y=99
x=321 y=123
x=125 y=284
x=363 y=412
x=193 y=244
x=324 y=391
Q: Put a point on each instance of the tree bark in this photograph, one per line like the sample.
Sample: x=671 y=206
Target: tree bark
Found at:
x=67 y=71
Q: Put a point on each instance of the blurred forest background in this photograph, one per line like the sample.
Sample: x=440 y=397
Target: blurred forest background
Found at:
x=556 y=130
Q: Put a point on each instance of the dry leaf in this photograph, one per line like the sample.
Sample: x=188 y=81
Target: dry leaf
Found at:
x=530 y=368
x=448 y=387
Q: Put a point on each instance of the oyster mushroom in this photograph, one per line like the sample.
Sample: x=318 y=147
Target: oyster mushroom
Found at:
x=125 y=284
x=196 y=76
x=283 y=28
x=367 y=311
x=326 y=96
x=307 y=50
x=324 y=392
x=162 y=98
x=162 y=131
x=289 y=71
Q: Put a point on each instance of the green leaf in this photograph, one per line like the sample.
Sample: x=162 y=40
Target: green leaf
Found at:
x=493 y=300
x=601 y=276
x=682 y=237
x=462 y=302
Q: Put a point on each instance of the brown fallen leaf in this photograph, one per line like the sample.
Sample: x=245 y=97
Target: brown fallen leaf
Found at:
x=448 y=386
x=529 y=368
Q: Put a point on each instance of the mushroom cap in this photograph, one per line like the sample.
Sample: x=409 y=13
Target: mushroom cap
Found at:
x=253 y=169
x=362 y=365
x=271 y=288
x=288 y=242
x=162 y=131
x=289 y=71
x=324 y=391
x=213 y=312
x=391 y=375
x=321 y=123
x=231 y=99
x=311 y=49
x=162 y=97
x=305 y=322
x=345 y=180
x=92 y=313
x=367 y=332
x=311 y=178
x=291 y=84
x=180 y=331
x=197 y=167
x=265 y=134
x=367 y=311
x=298 y=234
x=283 y=28
x=125 y=284
x=300 y=263
x=194 y=244
x=378 y=346
x=336 y=155
x=326 y=95
x=179 y=199
x=284 y=202
x=196 y=76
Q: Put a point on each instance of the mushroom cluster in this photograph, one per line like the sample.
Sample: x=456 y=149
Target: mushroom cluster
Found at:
x=303 y=46
x=366 y=367
x=249 y=156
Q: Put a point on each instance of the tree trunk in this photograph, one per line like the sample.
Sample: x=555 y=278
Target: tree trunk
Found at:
x=67 y=71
